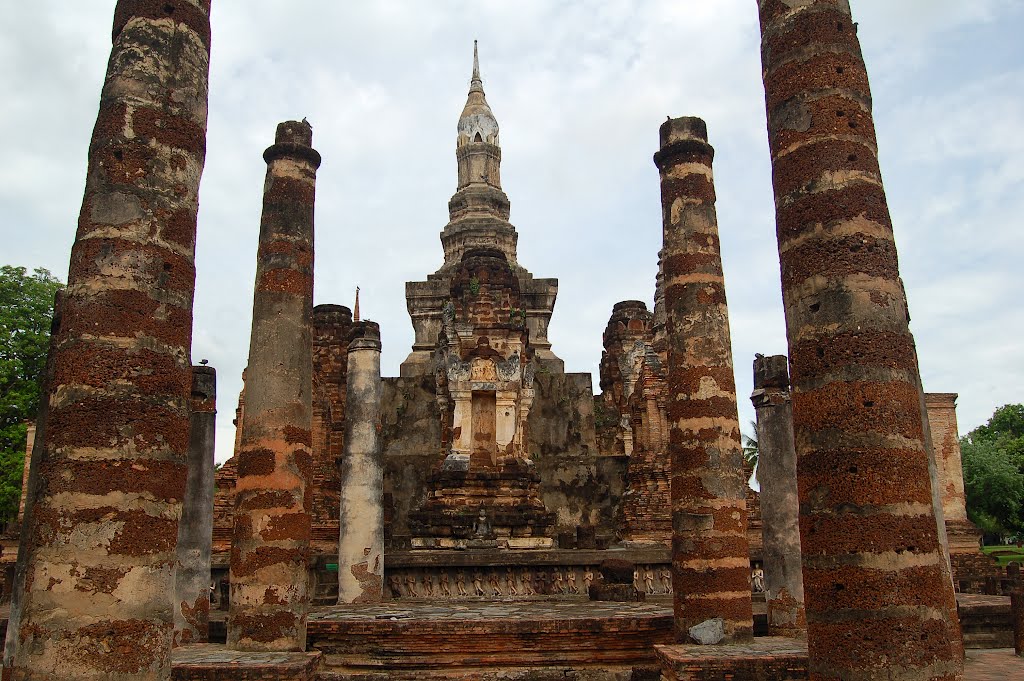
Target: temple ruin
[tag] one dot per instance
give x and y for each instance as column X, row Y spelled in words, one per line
column 484, row 514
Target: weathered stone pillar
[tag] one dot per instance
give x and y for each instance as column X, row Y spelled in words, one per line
column 1017, row 612
column 272, row 525
column 100, row 563
column 964, row 537
column 780, row 507
column 195, row 530
column 30, row 441
column 710, row 554
column 878, row 602
column 361, row 521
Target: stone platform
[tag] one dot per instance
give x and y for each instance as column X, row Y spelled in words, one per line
column 783, row 659
column 985, row 621
column 212, row 662
column 490, row 639
column 762, row 659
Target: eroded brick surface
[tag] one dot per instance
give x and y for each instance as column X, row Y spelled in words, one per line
column 100, row 562
column 764, row 659
column 865, row 494
column 489, row 636
column 632, row 420
column 780, row 507
column 192, row 572
column 273, row 495
column 710, row 551
column 218, row 663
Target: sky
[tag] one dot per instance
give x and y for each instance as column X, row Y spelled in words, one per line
column 579, row 89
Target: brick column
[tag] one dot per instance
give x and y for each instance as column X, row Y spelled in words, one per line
column 332, row 325
column 1017, row 613
column 270, row 544
column 945, row 440
column 710, row 555
column 963, row 536
column 780, row 507
column 195, row 530
column 100, row 563
column 361, row 520
column 30, row 441
column 878, row 603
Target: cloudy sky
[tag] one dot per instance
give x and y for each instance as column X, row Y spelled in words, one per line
column 579, row 89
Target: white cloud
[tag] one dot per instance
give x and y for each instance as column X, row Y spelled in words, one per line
column 579, row 89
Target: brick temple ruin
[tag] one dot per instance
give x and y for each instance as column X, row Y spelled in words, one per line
column 484, row 514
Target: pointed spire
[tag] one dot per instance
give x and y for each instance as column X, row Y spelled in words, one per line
column 476, row 84
column 477, row 119
column 355, row 308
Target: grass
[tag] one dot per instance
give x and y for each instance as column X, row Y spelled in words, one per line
column 1005, row 554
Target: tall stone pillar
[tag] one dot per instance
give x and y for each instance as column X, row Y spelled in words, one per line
column 710, row 554
column 30, row 441
column 361, row 520
column 272, row 525
column 195, row 530
column 1017, row 614
column 964, row 537
column 877, row 601
column 780, row 506
column 100, row 562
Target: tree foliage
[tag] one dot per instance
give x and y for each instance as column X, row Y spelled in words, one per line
column 750, row 446
column 26, row 309
column 993, row 458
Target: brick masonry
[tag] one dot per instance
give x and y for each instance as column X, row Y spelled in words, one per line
column 104, row 525
column 195, row 529
column 489, row 635
column 332, row 325
column 763, row 659
column 780, row 507
column 273, row 491
column 710, row 552
column 206, row 662
column 633, row 420
column 878, row 597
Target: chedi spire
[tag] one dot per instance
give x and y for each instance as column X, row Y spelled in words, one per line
column 476, row 83
column 477, row 122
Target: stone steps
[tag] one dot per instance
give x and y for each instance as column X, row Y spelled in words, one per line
column 462, row 640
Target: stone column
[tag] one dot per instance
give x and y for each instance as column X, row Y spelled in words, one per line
column 195, row 530
column 710, row 554
column 30, row 441
column 361, row 520
column 100, row 563
column 1017, row 613
column 272, row 525
column 780, row 507
column 964, row 537
column 878, row 603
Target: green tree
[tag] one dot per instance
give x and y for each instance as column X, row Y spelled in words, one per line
column 26, row 308
column 750, row 446
column 993, row 458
